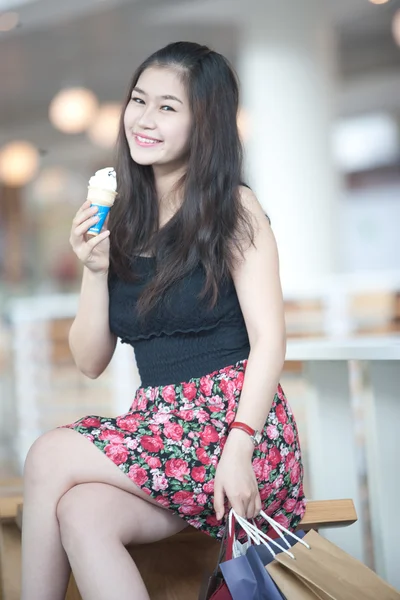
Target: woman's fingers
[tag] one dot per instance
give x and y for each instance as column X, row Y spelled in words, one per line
column 85, row 226
column 94, row 240
column 219, row 501
column 83, row 215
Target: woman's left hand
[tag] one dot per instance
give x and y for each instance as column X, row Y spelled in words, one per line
column 236, row 479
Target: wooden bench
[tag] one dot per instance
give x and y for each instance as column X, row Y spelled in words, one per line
column 173, row 569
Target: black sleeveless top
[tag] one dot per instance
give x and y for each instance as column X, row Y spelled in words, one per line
column 182, row 337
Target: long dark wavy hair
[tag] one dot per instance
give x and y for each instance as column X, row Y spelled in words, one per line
column 211, row 223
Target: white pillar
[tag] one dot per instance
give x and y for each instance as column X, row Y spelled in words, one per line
column 285, row 68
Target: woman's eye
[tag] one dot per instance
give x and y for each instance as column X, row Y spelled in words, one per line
column 167, row 108
column 137, row 100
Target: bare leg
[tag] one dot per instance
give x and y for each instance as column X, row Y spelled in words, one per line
column 57, row 461
column 97, row 521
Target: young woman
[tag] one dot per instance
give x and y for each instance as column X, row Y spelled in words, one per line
column 187, row 273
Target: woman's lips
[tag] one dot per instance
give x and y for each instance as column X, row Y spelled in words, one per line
column 145, row 142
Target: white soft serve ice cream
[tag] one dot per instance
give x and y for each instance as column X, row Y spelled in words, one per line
column 101, row 193
column 104, row 179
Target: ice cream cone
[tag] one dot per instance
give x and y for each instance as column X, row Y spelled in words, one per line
column 102, row 193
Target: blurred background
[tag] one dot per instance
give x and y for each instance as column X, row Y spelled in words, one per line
column 320, row 122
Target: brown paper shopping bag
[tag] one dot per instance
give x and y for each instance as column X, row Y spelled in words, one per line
column 291, row 586
column 328, row 572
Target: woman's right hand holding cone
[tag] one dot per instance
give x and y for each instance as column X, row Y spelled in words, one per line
column 92, row 251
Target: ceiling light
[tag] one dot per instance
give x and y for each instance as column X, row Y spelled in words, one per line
column 19, row 162
column 73, row 110
column 8, row 21
column 396, row 27
column 379, row 1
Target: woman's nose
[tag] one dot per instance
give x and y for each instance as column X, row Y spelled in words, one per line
column 147, row 120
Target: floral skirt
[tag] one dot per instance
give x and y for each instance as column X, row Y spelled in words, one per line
column 170, row 441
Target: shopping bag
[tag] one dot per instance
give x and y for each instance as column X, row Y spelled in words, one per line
column 232, row 559
column 213, row 586
column 328, row 572
column 245, row 575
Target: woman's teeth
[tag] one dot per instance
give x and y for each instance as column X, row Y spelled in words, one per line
column 146, row 140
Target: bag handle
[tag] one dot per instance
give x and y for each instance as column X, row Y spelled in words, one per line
column 258, row 536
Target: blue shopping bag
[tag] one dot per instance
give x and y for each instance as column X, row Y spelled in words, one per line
column 247, row 577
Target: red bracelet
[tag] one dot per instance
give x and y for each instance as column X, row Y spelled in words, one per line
column 253, row 433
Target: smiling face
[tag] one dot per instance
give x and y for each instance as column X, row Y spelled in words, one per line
column 158, row 120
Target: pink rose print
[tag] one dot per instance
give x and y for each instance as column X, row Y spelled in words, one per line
column 216, row 404
column 266, row 491
column 230, row 416
column 141, row 401
column 177, row 467
column 186, row 509
column 206, row 385
column 174, row 431
column 273, row 507
column 186, row 415
column 189, row 391
column 272, row 432
column 300, row 508
column 258, row 465
column 138, row 475
column 214, row 460
column 288, row 434
column 129, row 423
column 227, row 388
column 203, row 416
column 209, row 435
column 198, row 473
column 203, row 456
column 170, row 442
column 163, row 501
column 282, row 494
column 208, row 487
column 280, row 393
column 168, row 393
column 202, row 499
column 115, row 437
column 155, row 428
column 295, row 473
column 274, row 457
column 118, row 454
column 160, row 482
column 91, row 422
column 153, row 462
column 290, row 504
column 266, row 470
column 281, row 414
column 239, row 380
column 162, row 417
column 290, row 461
column 282, row 520
column 152, row 443
column 183, row 497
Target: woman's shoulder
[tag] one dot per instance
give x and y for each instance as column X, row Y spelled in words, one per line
column 251, row 203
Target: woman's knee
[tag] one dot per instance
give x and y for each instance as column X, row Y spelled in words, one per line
column 45, row 459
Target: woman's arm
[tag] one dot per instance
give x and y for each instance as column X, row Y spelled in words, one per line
column 91, row 342
column 257, row 282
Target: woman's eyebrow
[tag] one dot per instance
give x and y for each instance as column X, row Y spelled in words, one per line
column 166, row 97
